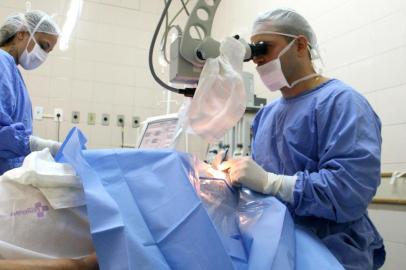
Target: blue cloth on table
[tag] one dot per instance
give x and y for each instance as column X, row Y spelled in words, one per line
column 145, row 214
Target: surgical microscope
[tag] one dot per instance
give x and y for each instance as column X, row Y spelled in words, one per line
column 188, row 53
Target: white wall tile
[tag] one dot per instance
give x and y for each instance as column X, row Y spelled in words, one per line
column 382, row 9
column 140, row 57
column 91, row 11
column 84, row 50
column 124, row 96
column 39, row 86
column 153, row 6
column 83, row 70
column 87, row 30
column 349, row 48
column 125, row 75
column 104, row 73
column 62, row 67
column 82, row 91
column 389, row 32
column 394, row 137
column 393, row 232
column 381, row 71
column 133, row 4
column 103, row 92
column 146, row 21
column 144, row 79
column 67, row 53
column 389, row 104
column 390, row 221
column 358, row 75
column 60, row 88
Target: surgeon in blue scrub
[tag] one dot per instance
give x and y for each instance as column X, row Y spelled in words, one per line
column 25, row 40
column 317, row 148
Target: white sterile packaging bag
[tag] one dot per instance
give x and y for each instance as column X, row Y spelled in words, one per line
column 220, row 99
column 42, row 211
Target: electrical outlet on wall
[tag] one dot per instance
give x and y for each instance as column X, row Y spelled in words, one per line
column 136, row 122
column 105, row 121
column 120, row 120
column 58, row 115
column 75, row 117
column 91, row 118
column 38, row 113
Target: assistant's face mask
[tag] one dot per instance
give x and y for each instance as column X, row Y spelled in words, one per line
column 34, row 58
column 272, row 75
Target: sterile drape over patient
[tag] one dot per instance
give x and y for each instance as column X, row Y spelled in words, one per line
column 152, row 209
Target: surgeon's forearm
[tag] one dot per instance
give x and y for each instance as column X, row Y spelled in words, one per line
column 57, row 264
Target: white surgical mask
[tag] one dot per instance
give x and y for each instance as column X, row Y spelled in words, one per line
column 272, row 75
column 37, row 56
column 33, row 59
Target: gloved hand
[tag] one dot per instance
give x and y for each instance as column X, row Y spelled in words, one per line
column 37, row 144
column 219, row 158
column 247, row 172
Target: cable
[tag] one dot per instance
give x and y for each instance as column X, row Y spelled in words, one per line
column 122, row 136
column 58, row 126
column 184, row 8
column 188, row 92
column 168, row 27
column 151, row 52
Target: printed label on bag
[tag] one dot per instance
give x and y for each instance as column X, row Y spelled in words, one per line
column 39, row 210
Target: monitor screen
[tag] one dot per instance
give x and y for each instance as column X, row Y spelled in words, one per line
column 159, row 133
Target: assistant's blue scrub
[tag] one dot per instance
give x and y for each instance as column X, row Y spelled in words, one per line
column 15, row 115
column 329, row 137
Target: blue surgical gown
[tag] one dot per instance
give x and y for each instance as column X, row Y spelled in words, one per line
column 329, row 137
column 15, row 115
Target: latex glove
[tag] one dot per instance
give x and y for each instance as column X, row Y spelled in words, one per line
column 37, row 144
column 219, row 158
column 247, row 172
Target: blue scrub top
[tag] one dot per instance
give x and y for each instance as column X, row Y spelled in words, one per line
column 329, row 137
column 15, row 115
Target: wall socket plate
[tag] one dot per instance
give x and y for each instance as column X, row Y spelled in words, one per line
column 120, row 120
column 105, row 121
column 91, row 118
column 75, row 117
column 135, row 122
column 58, row 111
column 38, row 113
